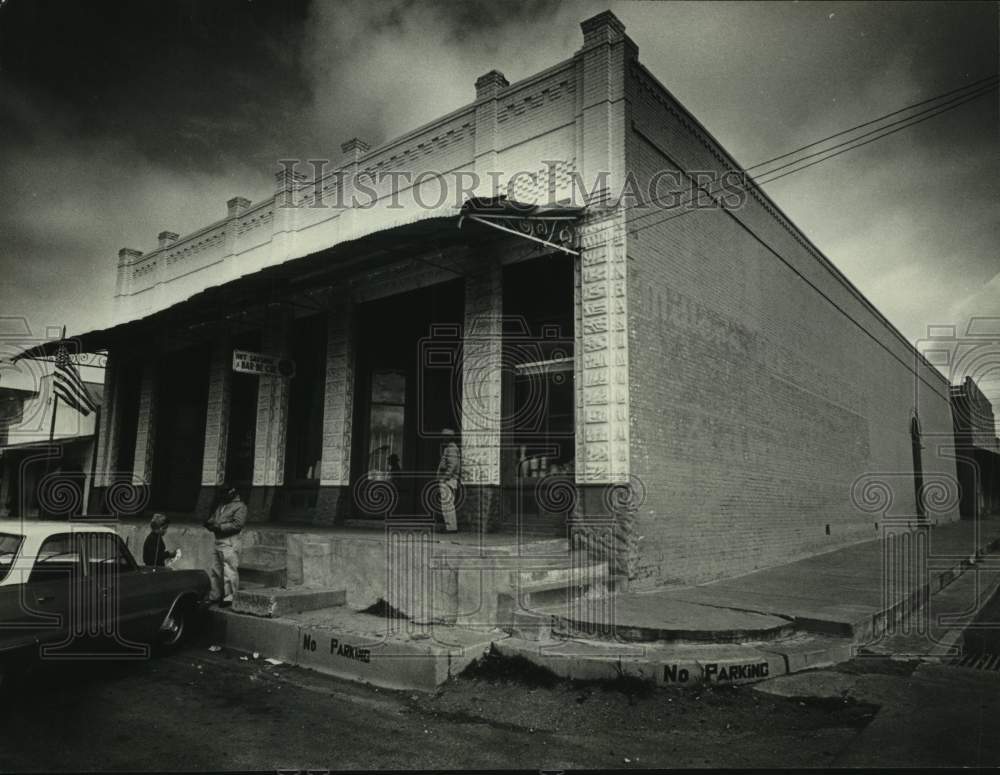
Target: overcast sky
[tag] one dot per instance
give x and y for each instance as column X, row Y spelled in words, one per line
column 119, row 120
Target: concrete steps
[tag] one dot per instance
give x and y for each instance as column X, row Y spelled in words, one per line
column 272, row 601
column 264, row 564
column 567, row 581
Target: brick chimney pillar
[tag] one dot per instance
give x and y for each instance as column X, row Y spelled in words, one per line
column 489, row 87
column 237, row 205
column 353, row 150
column 602, row 69
column 165, row 238
column 123, row 282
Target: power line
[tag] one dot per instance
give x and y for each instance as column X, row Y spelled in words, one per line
column 955, row 102
column 764, row 179
column 657, row 200
column 876, row 120
column 769, row 248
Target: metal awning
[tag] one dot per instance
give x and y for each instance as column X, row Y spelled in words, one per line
column 27, row 446
column 535, row 222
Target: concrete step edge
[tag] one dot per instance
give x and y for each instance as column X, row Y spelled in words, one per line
column 396, row 664
column 687, row 666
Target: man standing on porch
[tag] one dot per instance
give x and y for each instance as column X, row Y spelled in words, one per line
column 226, row 523
column 448, row 472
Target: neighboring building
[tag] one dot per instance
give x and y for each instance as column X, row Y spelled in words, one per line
column 977, row 450
column 12, row 401
column 697, row 396
column 25, row 457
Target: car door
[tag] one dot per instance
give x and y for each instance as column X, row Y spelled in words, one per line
column 49, row 595
column 124, row 602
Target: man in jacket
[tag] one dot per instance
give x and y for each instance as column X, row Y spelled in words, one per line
column 448, row 472
column 226, row 523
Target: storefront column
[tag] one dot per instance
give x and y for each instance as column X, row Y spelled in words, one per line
column 604, row 487
column 145, row 438
column 272, row 420
column 107, row 436
column 338, row 411
column 213, row 467
column 482, row 348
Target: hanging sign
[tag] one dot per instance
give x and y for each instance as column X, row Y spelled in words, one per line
column 246, row 362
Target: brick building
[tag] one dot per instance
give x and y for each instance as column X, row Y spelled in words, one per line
column 695, row 396
column 977, row 450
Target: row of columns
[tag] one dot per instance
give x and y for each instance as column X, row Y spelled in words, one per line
column 601, row 384
column 480, row 411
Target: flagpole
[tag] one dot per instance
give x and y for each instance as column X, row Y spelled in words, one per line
column 52, row 422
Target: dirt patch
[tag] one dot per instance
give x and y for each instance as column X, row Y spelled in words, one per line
column 495, row 667
column 877, row 665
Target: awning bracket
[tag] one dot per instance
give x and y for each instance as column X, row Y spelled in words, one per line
column 542, row 230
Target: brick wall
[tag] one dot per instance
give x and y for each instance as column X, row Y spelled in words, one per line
column 757, row 403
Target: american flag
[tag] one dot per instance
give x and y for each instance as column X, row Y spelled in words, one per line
column 68, row 385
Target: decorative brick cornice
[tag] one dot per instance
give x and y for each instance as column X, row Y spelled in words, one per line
column 237, row 205
column 165, row 238
column 127, row 255
column 354, row 149
column 605, row 27
column 490, row 85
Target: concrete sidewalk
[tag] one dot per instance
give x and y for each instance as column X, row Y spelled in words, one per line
column 814, row 612
column 842, row 593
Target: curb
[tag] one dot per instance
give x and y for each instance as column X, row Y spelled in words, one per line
column 389, row 662
column 689, row 666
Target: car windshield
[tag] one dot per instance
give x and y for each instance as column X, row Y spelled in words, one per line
column 9, row 546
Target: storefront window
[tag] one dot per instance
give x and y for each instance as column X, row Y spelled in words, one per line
column 544, row 429
column 386, row 423
column 539, row 399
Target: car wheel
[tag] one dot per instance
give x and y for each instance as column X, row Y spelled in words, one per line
column 176, row 626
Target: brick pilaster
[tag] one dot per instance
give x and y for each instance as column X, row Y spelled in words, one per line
column 106, row 451
column 338, row 401
column 145, row 437
column 601, row 366
column 489, row 87
column 213, row 467
column 272, row 411
column 481, row 377
column 601, row 73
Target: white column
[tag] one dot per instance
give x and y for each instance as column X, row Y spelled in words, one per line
column 272, row 411
column 107, row 431
column 601, row 369
column 338, row 400
column 481, row 376
column 213, row 467
column 145, row 437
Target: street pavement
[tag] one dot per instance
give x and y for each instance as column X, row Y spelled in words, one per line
column 200, row 710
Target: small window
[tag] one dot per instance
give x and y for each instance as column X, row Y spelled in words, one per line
column 10, row 545
column 58, row 559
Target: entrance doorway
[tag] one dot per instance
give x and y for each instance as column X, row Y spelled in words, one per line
column 182, row 403
column 539, row 395
column 403, row 398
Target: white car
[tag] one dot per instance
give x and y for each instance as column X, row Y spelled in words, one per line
column 66, row 583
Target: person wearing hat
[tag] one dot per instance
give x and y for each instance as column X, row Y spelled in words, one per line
column 226, row 523
column 448, row 472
